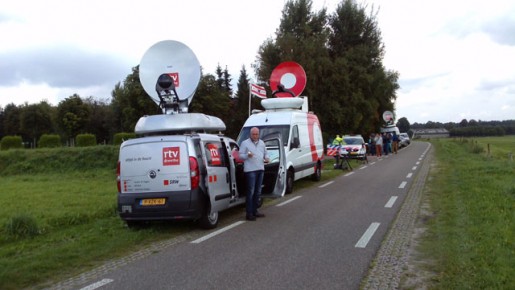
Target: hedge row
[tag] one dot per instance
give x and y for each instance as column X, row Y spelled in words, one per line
column 54, row 140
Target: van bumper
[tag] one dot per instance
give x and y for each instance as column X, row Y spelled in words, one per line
column 177, row 205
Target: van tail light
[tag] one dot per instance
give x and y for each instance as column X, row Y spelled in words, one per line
column 118, row 184
column 194, row 173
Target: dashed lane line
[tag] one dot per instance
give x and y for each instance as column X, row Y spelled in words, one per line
column 215, row 233
column 391, row 202
column 325, row 184
column 98, row 284
column 363, row 241
column 289, row 200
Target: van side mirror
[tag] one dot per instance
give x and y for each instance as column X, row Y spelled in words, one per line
column 295, row 143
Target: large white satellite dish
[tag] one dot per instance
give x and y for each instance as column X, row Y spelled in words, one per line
column 169, row 72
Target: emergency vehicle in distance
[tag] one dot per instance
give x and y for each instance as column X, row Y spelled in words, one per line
column 181, row 167
column 288, row 115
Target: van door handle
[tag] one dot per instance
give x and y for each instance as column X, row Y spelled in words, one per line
column 227, row 177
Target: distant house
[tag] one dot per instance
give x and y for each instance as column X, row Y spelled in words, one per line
column 430, row 133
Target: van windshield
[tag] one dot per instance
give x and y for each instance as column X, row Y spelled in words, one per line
column 284, row 130
column 353, row 140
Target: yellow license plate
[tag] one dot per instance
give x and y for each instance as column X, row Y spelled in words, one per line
column 152, row 201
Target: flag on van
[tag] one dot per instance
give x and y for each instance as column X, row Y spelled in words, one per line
column 258, row 91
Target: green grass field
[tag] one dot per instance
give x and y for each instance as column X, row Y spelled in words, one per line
column 470, row 238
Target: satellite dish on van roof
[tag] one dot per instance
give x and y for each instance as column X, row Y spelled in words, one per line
column 169, row 72
column 388, row 117
column 288, row 78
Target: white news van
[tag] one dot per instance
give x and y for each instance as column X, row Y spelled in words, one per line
column 392, row 129
column 181, row 167
column 300, row 132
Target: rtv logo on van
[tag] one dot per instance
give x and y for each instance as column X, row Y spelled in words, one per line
column 215, row 156
column 171, row 156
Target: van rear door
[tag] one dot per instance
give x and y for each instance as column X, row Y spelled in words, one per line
column 274, row 180
column 154, row 165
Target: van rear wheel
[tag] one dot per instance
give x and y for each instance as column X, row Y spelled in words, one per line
column 318, row 173
column 289, row 181
column 208, row 220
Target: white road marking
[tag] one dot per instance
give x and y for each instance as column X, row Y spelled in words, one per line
column 326, row 184
column 391, row 201
column 409, row 175
column 289, row 200
column 200, row 240
column 418, row 162
column 350, row 173
column 97, row 284
column 372, row 163
column 362, row 243
column 364, row 166
column 403, row 184
column 414, row 168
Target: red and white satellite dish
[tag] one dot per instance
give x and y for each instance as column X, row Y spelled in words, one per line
column 291, row 76
column 388, row 117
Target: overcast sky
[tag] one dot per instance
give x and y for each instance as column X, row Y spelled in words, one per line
column 456, row 59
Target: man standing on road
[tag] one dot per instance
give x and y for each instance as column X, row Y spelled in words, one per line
column 254, row 155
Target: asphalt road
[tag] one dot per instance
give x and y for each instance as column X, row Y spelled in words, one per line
column 323, row 237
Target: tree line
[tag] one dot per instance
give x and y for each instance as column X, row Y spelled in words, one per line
column 465, row 128
column 342, row 52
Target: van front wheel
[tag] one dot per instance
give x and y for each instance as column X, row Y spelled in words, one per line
column 318, row 173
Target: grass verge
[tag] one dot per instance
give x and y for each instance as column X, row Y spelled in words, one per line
column 470, row 237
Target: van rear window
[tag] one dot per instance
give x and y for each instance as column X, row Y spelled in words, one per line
column 214, row 154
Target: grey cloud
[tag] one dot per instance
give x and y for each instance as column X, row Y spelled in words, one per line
column 492, row 85
column 4, row 17
column 501, row 30
column 407, row 84
column 62, row 66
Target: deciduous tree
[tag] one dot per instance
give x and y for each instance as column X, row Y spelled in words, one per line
column 36, row 120
column 72, row 116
